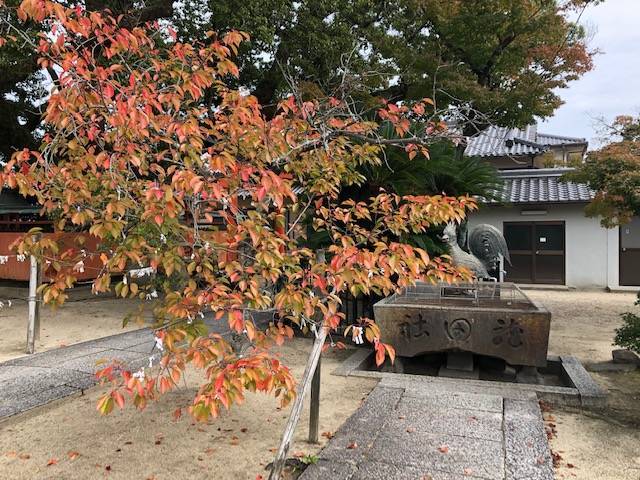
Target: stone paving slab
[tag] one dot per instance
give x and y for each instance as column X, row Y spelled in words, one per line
column 34, row 380
column 424, row 384
column 448, row 453
column 465, row 401
column 527, row 455
column 380, row 470
column 421, row 416
column 95, row 361
column 420, row 430
column 360, row 431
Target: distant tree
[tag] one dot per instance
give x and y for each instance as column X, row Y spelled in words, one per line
column 614, row 173
column 503, row 58
column 498, row 61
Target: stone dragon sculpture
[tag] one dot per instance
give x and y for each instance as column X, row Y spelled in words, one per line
column 482, row 248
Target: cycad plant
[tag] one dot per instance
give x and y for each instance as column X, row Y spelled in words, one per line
column 443, row 172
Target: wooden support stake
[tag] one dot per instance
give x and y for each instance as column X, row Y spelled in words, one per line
column 314, row 412
column 296, row 410
column 33, row 328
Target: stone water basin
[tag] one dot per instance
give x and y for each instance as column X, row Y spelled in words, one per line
column 485, row 318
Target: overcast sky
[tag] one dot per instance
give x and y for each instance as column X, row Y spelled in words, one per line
column 613, row 86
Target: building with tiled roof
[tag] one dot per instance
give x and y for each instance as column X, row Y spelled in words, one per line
column 541, row 214
column 509, row 148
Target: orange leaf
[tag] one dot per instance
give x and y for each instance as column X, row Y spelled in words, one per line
column 72, row 454
column 52, row 461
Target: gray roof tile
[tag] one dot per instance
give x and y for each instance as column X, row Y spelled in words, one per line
column 503, row 141
column 541, row 186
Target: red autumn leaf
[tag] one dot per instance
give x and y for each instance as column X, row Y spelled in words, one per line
column 352, row 445
column 443, row 448
column 52, row 461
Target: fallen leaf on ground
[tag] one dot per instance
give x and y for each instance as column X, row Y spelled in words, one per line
column 443, row 448
column 11, row 454
column 352, row 445
column 244, row 429
column 299, row 454
column 570, row 465
column 24, row 456
column 210, row 451
column 411, row 430
column 328, row 435
column 72, row 454
column 467, row 471
column 52, row 461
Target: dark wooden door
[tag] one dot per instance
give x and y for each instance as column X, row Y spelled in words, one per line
column 630, row 253
column 537, row 251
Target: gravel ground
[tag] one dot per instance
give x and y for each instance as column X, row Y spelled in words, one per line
column 594, row 445
column 74, row 322
column 589, row 445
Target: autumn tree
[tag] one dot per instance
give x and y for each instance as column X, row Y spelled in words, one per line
column 134, row 155
column 613, row 172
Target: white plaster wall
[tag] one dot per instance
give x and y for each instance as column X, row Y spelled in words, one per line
column 588, row 251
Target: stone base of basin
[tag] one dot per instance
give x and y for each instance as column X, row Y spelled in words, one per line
column 576, row 389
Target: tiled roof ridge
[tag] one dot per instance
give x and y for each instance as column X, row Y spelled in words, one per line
column 563, row 137
column 536, row 172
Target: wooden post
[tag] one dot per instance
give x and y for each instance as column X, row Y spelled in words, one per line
column 33, row 328
column 314, row 412
column 313, row 364
column 296, row 410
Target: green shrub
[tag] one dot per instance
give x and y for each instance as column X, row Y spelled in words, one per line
column 628, row 335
